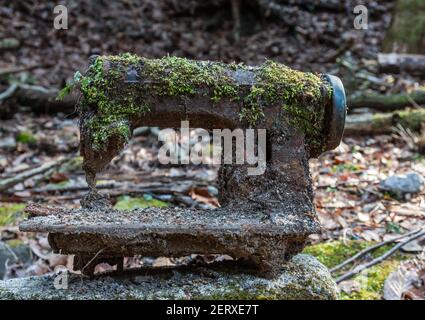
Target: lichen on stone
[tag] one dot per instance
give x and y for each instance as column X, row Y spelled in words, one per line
column 302, row 278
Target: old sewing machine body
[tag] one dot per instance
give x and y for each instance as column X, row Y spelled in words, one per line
column 264, row 219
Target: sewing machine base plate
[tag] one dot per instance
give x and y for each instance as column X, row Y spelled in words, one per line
column 108, row 235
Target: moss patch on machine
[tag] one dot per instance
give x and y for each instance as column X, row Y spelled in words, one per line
column 116, row 99
column 300, row 94
column 117, row 90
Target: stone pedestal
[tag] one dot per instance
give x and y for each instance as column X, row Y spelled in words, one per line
column 302, row 278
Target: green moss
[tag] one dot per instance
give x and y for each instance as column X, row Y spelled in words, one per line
column 26, row 137
column 10, row 212
column 116, row 104
column 345, row 167
column 335, row 252
column 373, row 283
column 113, row 108
column 411, row 119
column 129, row 203
column 69, row 87
column 381, row 120
column 102, row 128
column 300, row 95
column 176, row 77
column 72, row 165
column 14, row 243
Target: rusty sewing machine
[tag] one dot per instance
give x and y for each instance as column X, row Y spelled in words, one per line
column 264, row 219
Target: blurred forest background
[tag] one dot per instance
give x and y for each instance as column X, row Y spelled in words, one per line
column 369, row 190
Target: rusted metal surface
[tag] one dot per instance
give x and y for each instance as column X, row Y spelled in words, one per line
column 264, row 219
column 265, row 240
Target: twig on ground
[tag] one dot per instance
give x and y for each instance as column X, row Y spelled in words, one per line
column 9, row 91
column 10, row 182
column 93, row 259
column 383, row 102
column 372, row 248
column 15, row 69
column 381, row 258
column 10, row 250
column 74, row 188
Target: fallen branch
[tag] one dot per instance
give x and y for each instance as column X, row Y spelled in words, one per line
column 74, row 188
column 285, row 12
column 10, row 250
column 10, row 182
column 40, row 99
column 396, row 63
column 386, row 102
column 372, row 248
column 384, row 123
column 43, row 100
column 381, row 258
column 279, row 9
column 125, row 188
column 12, row 70
column 9, row 91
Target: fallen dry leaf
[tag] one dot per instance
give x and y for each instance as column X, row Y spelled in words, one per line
column 204, row 197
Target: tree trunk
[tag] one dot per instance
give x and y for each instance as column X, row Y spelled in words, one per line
column 407, row 31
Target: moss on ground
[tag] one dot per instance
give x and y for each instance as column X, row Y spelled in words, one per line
column 10, row 213
column 14, row 243
column 129, row 203
column 72, row 165
column 412, row 119
column 118, row 88
column 26, row 137
column 335, row 252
